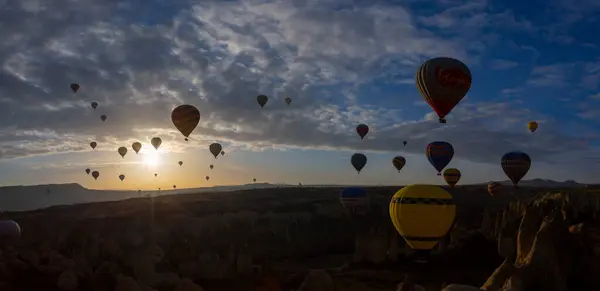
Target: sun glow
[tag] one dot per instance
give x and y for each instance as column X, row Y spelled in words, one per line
column 151, row 158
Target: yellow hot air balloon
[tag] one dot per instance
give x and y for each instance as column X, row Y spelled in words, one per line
column 422, row 215
column 532, row 125
column 451, row 176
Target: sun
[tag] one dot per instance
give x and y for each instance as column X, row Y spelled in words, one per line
column 151, row 158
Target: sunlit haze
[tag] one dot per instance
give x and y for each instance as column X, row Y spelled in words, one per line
column 341, row 65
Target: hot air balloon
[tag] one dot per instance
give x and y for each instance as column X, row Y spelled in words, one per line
column 452, row 176
column 93, row 145
column 494, row 188
column 211, row 166
column 355, row 200
column 74, row 87
column 404, row 143
column 95, row 174
column 443, row 82
column 121, row 177
column 122, row 151
column 156, row 142
column 254, row 179
column 358, row 161
column 532, row 126
column 174, row 186
column 87, row 171
column 9, row 229
column 207, row 178
column 398, row 163
column 222, row 153
column 180, row 163
column 103, row 117
column 94, row 105
column 362, row 130
column 215, row 149
column 262, row 100
column 439, row 154
column 155, row 174
column 515, row 165
column 136, row 146
column 288, row 100
column 422, row 215
column 185, row 118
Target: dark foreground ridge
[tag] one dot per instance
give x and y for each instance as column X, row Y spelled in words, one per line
column 301, row 239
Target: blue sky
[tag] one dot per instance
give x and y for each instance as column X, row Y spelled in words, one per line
column 342, row 62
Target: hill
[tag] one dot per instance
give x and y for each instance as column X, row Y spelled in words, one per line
column 20, row 198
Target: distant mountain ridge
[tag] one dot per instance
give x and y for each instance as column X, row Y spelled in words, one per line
column 18, row 198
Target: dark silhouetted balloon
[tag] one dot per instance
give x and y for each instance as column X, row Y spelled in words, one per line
column 94, row 105
column 156, row 142
column 87, row 171
column 93, row 145
column 103, row 117
column 262, row 100
column 399, row 163
column 95, row 174
column 136, row 146
column 515, row 165
column 121, row 177
column 122, row 151
column 215, row 149
column 185, row 118
column 362, row 130
column 358, row 161
column 74, row 87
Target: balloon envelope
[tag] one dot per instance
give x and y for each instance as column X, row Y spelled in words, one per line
column 121, row 177
column 439, row 154
column 399, row 163
column 9, row 228
column 156, row 142
column 452, row 176
column 422, row 214
column 532, row 126
column 362, row 130
column 358, row 161
column 122, row 151
column 185, row 118
column 262, row 100
column 74, row 87
column 443, row 82
column 515, row 165
column 136, row 146
column 215, row 149
column 93, row 145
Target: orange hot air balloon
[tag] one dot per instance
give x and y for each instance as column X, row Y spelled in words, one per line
column 532, row 126
column 443, row 82
column 74, row 87
column 95, row 174
column 156, row 142
column 93, row 145
column 136, row 146
column 122, row 151
column 185, row 118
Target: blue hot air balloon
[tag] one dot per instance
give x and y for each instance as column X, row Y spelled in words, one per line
column 439, row 154
column 354, row 199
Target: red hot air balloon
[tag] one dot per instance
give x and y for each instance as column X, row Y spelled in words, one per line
column 443, row 82
column 362, row 130
column 185, row 118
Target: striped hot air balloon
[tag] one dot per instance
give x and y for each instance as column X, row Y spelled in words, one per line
column 185, row 118
column 422, row 215
column 515, row 165
column 452, row 176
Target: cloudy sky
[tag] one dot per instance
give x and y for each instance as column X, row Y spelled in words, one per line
column 343, row 63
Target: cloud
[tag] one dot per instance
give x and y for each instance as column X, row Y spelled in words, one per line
column 218, row 55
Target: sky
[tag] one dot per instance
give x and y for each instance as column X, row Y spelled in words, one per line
column 342, row 62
